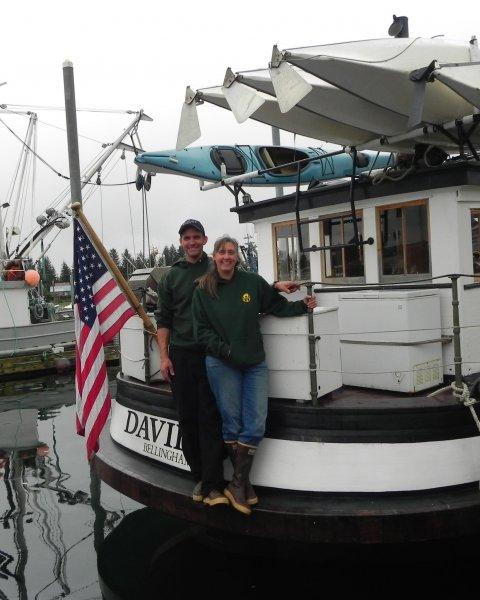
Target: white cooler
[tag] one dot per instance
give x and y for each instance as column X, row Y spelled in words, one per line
column 391, row 340
column 132, row 351
column 287, row 354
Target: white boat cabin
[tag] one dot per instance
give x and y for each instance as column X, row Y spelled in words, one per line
column 426, row 226
column 384, row 318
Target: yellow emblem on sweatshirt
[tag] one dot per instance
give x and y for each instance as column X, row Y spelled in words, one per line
column 246, row 297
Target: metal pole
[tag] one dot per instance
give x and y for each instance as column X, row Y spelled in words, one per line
column 311, row 351
column 25, row 151
column 3, row 253
column 72, row 133
column 457, row 359
column 276, row 142
column 353, row 154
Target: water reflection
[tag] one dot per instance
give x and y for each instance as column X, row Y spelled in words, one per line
column 51, row 512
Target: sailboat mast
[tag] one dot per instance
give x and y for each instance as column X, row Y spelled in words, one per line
column 23, row 164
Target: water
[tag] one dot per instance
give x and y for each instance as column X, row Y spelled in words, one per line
column 64, row 534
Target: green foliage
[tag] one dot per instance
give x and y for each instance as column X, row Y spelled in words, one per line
column 48, row 276
column 127, row 264
column 114, row 256
column 65, row 273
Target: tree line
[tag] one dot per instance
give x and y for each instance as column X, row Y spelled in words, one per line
column 125, row 261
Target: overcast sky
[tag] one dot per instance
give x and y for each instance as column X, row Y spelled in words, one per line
column 131, row 55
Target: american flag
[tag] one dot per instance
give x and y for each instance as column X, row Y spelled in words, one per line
column 101, row 309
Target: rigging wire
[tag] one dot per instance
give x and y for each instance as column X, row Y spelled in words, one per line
column 129, row 204
column 101, row 211
column 31, row 150
column 34, row 180
column 62, row 108
column 11, row 189
column 24, row 193
column 49, row 166
column 86, row 137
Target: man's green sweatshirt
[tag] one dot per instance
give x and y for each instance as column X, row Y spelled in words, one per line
column 228, row 326
column 175, row 292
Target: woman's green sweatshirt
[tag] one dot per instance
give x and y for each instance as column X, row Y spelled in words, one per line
column 228, row 326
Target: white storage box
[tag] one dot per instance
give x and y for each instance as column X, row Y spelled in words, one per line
column 133, row 354
column 287, row 354
column 391, row 340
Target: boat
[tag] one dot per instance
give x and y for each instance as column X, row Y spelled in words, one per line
column 213, row 163
column 373, row 426
column 35, row 337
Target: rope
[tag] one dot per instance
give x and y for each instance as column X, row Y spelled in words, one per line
column 462, row 394
column 386, row 175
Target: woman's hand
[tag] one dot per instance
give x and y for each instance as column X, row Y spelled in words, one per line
column 310, row 301
column 286, row 286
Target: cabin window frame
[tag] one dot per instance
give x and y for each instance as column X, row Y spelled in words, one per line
column 475, row 211
column 292, row 223
column 402, row 276
column 323, row 261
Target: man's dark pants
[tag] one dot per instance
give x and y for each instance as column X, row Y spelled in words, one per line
column 200, row 422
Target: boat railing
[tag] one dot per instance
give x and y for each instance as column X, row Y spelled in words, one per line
column 460, row 388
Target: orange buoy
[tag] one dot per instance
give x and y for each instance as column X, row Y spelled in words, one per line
column 32, row 277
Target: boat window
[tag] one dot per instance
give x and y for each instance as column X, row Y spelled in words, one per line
column 475, row 220
column 404, row 238
column 231, row 158
column 273, row 156
column 342, row 263
column 290, row 264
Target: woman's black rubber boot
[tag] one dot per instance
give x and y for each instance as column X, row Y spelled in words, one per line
column 236, row 489
column 252, row 498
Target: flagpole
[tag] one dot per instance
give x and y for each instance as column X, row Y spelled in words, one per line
column 122, row 282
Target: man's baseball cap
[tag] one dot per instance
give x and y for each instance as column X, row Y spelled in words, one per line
column 191, row 223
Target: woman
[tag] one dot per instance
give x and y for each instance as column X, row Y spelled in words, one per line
column 227, row 305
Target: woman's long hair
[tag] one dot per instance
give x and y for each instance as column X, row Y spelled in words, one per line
column 209, row 281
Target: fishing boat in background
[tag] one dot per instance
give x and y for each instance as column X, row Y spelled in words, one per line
column 373, row 426
column 34, row 335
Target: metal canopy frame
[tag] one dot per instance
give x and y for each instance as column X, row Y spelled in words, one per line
column 306, row 221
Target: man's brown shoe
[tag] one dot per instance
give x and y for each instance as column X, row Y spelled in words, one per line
column 197, row 494
column 214, row 498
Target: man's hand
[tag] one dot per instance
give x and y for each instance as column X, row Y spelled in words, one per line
column 310, row 301
column 166, row 368
column 286, row 286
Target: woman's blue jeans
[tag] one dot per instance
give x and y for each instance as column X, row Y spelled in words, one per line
column 242, row 399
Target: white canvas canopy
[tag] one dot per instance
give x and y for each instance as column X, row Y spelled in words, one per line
column 384, row 94
column 379, row 71
column 298, row 120
column 462, row 79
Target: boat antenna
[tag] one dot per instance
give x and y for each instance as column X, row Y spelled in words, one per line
column 399, row 27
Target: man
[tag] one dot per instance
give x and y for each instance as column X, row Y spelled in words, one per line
column 183, row 365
